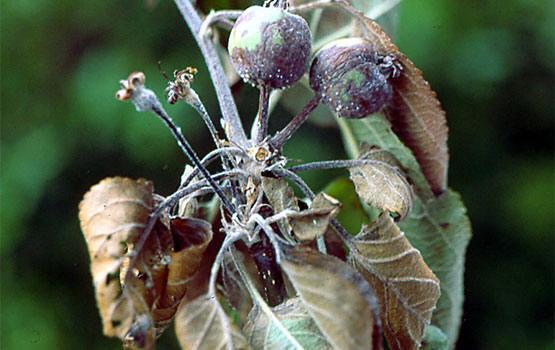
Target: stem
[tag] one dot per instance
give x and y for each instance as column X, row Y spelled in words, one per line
column 233, row 126
column 260, row 127
column 188, row 150
column 219, row 17
column 331, row 164
column 228, row 242
column 285, row 134
column 199, row 107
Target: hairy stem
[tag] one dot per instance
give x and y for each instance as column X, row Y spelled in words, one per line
column 260, row 127
column 219, row 17
column 331, row 164
column 188, row 150
column 199, row 107
column 285, row 134
column 233, row 126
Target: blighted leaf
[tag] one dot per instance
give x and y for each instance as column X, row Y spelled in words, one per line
column 281, row 197
column 263, row 334
column 313, row 222
column 376, row 132
column 407, row 288
column 337, row 297
column 203, row 324
column 113, row 214
column 190, row 239
column 437, row 227
column 440, row 229
column 381, row 185
column 415, row 112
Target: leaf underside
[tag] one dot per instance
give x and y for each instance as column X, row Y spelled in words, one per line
column 337, row 297
column 407, row 288
column 380, row 184
column 202, row 324
column 264, row 335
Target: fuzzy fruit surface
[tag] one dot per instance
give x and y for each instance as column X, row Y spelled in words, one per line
column 270, row 46
column 346, row 75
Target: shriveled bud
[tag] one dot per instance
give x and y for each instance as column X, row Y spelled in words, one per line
column 270, row 46
column 352, row 78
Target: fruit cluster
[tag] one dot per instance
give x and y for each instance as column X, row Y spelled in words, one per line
column 271, row 47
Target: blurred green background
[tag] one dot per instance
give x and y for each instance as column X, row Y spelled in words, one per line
column 491, row 62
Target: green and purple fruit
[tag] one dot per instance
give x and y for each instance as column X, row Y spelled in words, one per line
column 350, row 78
column 270, row 46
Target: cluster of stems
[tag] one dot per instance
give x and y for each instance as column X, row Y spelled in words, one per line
column 241, row 215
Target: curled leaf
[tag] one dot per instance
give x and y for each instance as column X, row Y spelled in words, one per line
column 415, row 112
column 113, row 214
column 337, row 297
column 264, row 335
column 408, row 290
column 190, row 239
column 203, row 324
column 380, row 184
column 313, row 222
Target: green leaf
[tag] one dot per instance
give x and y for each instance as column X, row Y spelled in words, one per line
column 440, row 229
column 437, row 226
column 263, row 334
column 434, row 339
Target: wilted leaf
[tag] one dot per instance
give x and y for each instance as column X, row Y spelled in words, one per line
column 280, row 196
column 376, row 132
column 203, row 324
column 415, row 112
column 440, row 229
column 113, row 214
column 381, row 184
column 313, row 222
column 190, row 239
column 264, row 335
column 437, row 227
column 337, row 297
column 408, row 290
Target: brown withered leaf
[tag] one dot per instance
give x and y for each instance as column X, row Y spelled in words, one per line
column 263, row 334
column 280, row 196
column 415, row 112
column 380, row 183
column 113, row 214
column 202, row 324
column 313, row 222
column 408, row 290
column 337, row 297
column 190, row 239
